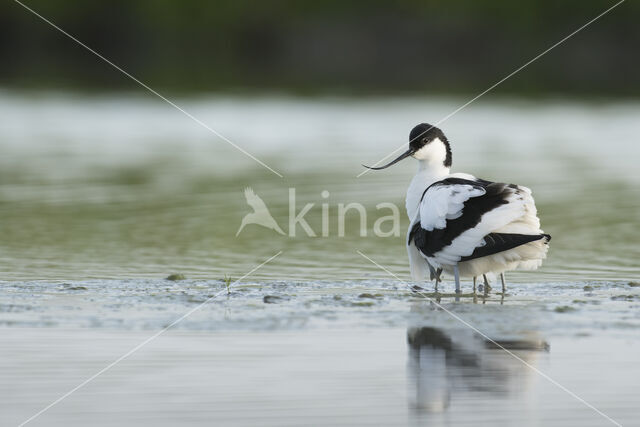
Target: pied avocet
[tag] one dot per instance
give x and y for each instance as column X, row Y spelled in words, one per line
column 464, row 225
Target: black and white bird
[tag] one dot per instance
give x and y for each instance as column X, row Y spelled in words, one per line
column 464, row 225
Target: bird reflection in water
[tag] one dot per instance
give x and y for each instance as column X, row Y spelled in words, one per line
column 443, row 365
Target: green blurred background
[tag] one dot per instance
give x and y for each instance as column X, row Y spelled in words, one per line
column 344, row 47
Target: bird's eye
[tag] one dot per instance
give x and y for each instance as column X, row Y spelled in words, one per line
column 424, row 140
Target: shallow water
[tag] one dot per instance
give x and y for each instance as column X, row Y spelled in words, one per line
column 102, row 198
column 362, row 352
column 127, row 187
column 323, row 377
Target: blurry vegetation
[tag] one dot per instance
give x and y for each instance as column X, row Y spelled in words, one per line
column 421, row 46
column 564, row 309
column 228, row 282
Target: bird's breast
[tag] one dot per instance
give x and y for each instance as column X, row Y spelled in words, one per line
column 420, row 182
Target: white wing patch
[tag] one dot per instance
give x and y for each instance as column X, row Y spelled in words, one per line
column 529, row 223
column 443, row 202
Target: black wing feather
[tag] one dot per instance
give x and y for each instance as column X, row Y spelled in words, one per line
column 500, row 242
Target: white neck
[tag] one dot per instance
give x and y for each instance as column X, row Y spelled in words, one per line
column 433, row 167
column 428, row 172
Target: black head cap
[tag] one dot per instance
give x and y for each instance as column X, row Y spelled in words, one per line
column 423, row 134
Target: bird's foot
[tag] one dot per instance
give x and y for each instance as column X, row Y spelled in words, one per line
column 481, row 288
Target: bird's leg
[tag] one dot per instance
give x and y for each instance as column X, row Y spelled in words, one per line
column 486, row 284
column 474, row 284
column 436, row 274
column 456, row 274
column 504, row 286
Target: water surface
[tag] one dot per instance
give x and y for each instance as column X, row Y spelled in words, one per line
column 101, row 198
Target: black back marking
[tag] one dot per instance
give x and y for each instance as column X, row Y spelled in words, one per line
column 496, row 194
